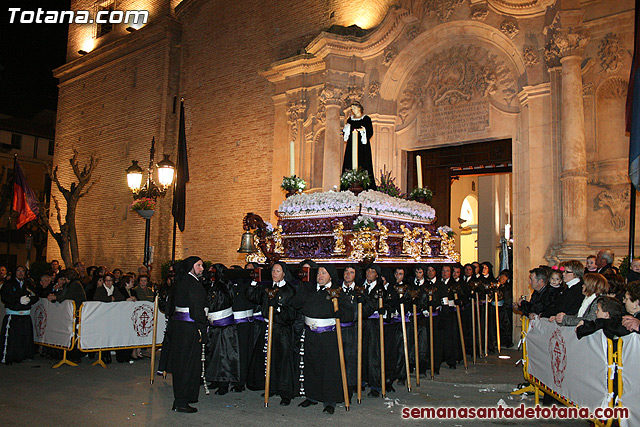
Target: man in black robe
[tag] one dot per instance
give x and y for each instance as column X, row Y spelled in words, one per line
column 277, row 294
column 188, row 332
column 323, row 381
column 350, row 329
column 18, row 294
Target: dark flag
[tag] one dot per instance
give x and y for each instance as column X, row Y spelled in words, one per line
column 24, row 200
column 633, row 109
column 182, row 175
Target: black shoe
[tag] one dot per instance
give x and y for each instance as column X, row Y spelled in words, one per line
column 390, row 388
column 238, row 388
column 329, row 410
column 452, row 366
column 222, row 391
column 374, row 393
column 285, row 401
column 187, row 409
column 306, row 403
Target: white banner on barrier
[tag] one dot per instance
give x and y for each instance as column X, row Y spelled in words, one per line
column 53, row 322
column 631, row 379
column 118, row 324
column 574, row 369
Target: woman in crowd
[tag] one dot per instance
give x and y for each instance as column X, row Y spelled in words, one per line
column 571, row 297
column 144, row 292
column 632, row 305
column 106, row 291
column 594, row 284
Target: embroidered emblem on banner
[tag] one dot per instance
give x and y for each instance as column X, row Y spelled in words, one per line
column 142, row 319
column 41, row 320
column 558, row 353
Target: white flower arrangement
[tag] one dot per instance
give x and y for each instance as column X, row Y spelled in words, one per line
column 447, row 230
column 364, row 221
column 373, row 202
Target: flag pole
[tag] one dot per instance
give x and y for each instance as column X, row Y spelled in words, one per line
column 13, row 196
column 632, row 223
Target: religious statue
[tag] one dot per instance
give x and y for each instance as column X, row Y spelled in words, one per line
column 358, row 130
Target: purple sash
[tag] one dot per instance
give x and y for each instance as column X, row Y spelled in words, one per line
column 223, row 322
column 321, row 329
column 347, row 324
column 259, row 318
column 244, row 320
column 180, row 315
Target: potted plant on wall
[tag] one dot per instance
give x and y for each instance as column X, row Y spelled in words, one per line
column 355, row 180
column 293, row 185
column 144, row 206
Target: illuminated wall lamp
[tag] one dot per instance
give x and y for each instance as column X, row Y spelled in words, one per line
column 82, row 52
column 131, row 29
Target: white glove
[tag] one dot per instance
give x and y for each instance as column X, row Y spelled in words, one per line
column 24, row 300
column 363, row 136
column 346, row 130
column 254, row 283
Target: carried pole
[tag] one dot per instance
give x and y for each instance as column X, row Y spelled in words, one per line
column 343, row 370
column 415, row 343
column 486, row 324
column 431, row 332
column 383, row 378
column 495, row 300
column 155, row 334
column 479, row 314
column 632, row 223
column 464, row 350
column 473, row 327
column 401, row 291
column 359, row 386
column 267, row 380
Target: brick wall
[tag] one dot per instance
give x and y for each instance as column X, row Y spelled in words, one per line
column 123, row 96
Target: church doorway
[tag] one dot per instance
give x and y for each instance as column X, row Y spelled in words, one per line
column 472, row 193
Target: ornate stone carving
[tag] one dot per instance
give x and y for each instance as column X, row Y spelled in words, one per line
column 530, row 56
column 331, row 95
column 587, row 89
column 295, row 113
column 442, row 9
column 426, row 249
column 388, row 55
column 338, row 236
column 374, row 89
column 479, row 14
column 459, row 74
column 354, row 93
column 565, row 42
column 412, row 33
column 610, row 53
column 618, row 203
column 615, row 87
column 383, row 246
column 309, row 138
column 509, row 28
column 521, row 7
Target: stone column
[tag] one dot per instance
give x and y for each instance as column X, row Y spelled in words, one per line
column 574, row 154
column 567, row 44
column 333, row 143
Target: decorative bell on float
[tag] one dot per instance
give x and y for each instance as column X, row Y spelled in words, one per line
column 246, row 245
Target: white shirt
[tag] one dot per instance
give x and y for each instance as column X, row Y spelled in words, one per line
column 586, row 302
column 573, row 281
column 279, row 284
column 370, row 286
column 346, row 287
column 327, row 286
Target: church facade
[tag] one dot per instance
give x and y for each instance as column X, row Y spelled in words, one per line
column 551, row 76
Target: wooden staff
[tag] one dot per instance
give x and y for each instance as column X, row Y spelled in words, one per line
column 153, row 344
column 401, row 291
column 414, row 295
column 333, row 293
column 479, row 323
column 271, row 293
column 383, row 377
column 431, row 291
column 495, row 300
column 464, row 350
column 473, row 327
column 359, row 352
column 486, row 324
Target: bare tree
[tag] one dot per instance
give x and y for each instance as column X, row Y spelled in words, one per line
column 67, row 237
